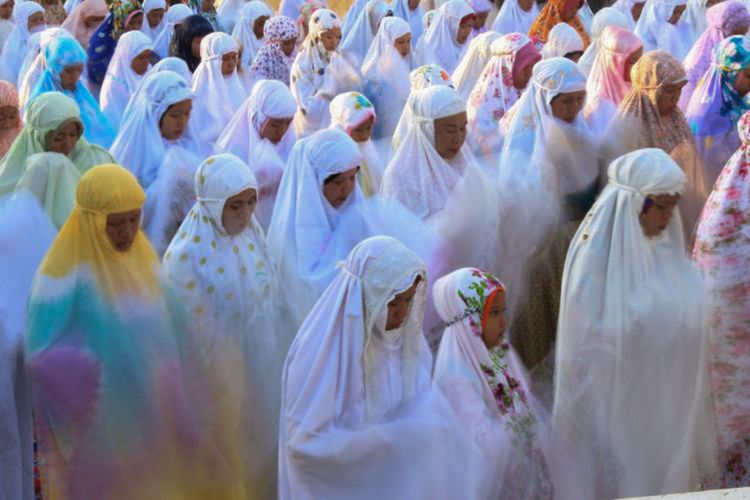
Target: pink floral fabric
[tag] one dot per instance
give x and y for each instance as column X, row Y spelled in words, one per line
column 721, row 252
column 270, row 62
column 494, row 93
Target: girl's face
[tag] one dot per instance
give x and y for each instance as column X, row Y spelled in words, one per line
column 464, row 29
column 70, row 75
column 135, row 22
column 195, row 46
column 122, row 228
column 8, row 118
column 337, row 188
column 450, row 134
column 154, row 17
column 331, row 38
column 742, row 82
column 634, row 57
column 667, row 100
column 657, row 212
column 400, row 307
column 526, row 5
column 287, row 46
column 6, row 9
column 637, row 9
column 275, row 128
column 258, row 26
column 493, row 327
column 567, row 105
column 36, row 19
column 479, row 19
column 229, row 63
column 363, row 131
column 570, row 10
column 64, row 139
column 235, row 217
column 175, row 120
column 140, row 62
column 521, row 80
column 403, row 44
column 208, row 5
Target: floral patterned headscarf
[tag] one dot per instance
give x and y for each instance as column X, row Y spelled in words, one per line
column 550, row 16
column 494, row 92
column 54, row 13
column 649, row 76
column 271, row 63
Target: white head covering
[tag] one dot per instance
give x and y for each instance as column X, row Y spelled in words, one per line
column 657, row 32
column 242, row 137
column 626, row 7
column 417, row 176
column 608, row 16
column 243, row 30
column 34, row 64
column 217, row 97
column 16, row 46
column 303, row 220
column 335, row 435
column 467, row 73
column 630, row 302
column 562, row 39
column 695, row 16
column 148, row 6
column 439, row 45
column 413, row 17
column 357, row 41
column 139, row 145
column 349, row 111
column 175, row 64
column 121, row 81
column 174, row 15
column 230, row 10
column 513, row 19
column 386, row 74
column 421, row 78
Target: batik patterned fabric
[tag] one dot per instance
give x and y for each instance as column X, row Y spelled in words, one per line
column 550, row 16
column 721, row 253
column 104, row 40
column 271, row 63
column 716, row 106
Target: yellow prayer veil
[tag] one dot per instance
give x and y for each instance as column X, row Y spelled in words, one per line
column 83, row 242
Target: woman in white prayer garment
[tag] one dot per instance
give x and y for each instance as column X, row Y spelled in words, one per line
column 260, row 134
column 357, row 41
column 358, row 416
column 321, row 214
column 663, row 26
column 473, row 63
column 631, row 377
column 448, row 37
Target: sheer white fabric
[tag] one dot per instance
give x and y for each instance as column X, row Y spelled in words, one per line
column 470, row 68
column 17, row 44
column 657, row 32
column 386, row 75
column 121, row 81
column 174, row 15
column 632, row 327
column 608, row 16
column 174, row 64
column 217, row 96
column 165, row 168
column 229, row 12
column 342, row 427
column 357, row 41
column 562, row 39
column 626, row 7
column 243, row 31
column 146, row 29
column 242, row 137
column 513, row 19
column 25, row 236
column 348, row 111
column 695, row 17
column 439, row 44
column 231, row 287
column 318, row 75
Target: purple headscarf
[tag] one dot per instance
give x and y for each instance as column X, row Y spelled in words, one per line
column 723, row 19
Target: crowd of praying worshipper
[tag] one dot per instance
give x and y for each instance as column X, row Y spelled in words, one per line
column 417, row 249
